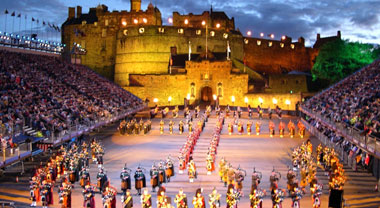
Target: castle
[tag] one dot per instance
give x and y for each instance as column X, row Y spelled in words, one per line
column 195, row 57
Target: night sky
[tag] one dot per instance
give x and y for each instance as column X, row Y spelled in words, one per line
column 357, row 19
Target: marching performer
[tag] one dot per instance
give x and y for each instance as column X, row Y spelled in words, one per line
column 140, row 181
column 249, row 126
column 65, row 194
column 240, row 128
column 171, row 123
column 281, row 128
column 146, row 199
column 230, row 128
column 125, row 177
column 239, row 178
column 260, row 112
column 271, row 128
column 109, row 198
column 291, row 128
column 175, row 112
column 182, row 164
column 162, row 127
column 181, row 199
column 258, row 125
column 34, row 191
column 256, row 198
column 296, row 195
column 199, row 200
column 154, row 178
column 277, row 198
column 214, row 199
column 210, row 166
column 190, row 124
column 180, row 127
column 84, row 177
column 102, row 179
column 222, row 166
column 89, row 197
column 162, row 199
column 161, row 173
column 232, row 197
column 301, row 129
column 316, row 192
column 192, row 172
column 249, row 111
column 169, row 171
column 127, row 199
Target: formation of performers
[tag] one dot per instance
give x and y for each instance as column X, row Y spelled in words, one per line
column 214, row 143
column 134, row 127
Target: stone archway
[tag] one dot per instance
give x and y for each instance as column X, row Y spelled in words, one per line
column 206, row 94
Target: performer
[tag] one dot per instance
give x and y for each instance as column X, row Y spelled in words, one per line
column 109, row 198
column 256, row 179
column 140, row 181
column 84, row 177
column 162, row 199
column 249, row 126
column 199, row 200
column 182, row 164
column 102, row 179
column 190, row 127
column 291, row 128
column 316, row 192
column 154, row 175
column 270, row 113
column 34, row 191
column 260, row 112
column 180, row 127
column 256, row 198
column 271, row 128
column 232, row 197
column 125, row 177
column 162, row 127
column 249, row 111
column 258, row 125
column 192, row 172
column 230, row 128
column 137, row 128
column 239, row 111
column 217, row 110
column 89, row 197
column 277, row 198
column 146, row 199
column 45, row 196
column 127, row 199
column 228, row 110
column 65, row 194
column 240, row 128
column 169, row 171
column 161, row 173
column 296, row 195
column 214, row 199
column 301, row 129
column 171, row 123
column 210, row 166
column 181, row 199
column 281, row 128
column 222, row 166
column 175, row 112
column 239, row 178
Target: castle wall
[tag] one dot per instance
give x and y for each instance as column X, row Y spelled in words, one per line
column 287, row 83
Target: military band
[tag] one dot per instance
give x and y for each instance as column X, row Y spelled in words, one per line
column 146, row 199
column 181, row 199
column 198, row 199
column 214, row 199
column 127, row 199
column 125, row 177
column 140, row 181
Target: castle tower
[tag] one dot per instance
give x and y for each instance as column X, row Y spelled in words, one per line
column 135, row 5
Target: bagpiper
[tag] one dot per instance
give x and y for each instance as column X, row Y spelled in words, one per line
column 175, row 112
column 34, row 191
column 127, row 199
column 210, row 164
column 239, row 178
column 277, row 198
column 171, row 123
column 46, row 194
column 214, row 199
column 249, row 126
column 140, row 181
column 192, row 172
column 301, row 129
column 65, row 194
column 180, row 127
column 291, row 128
column 169, row 170
column 89, row 197
column 109, row 198
column 271, row 128
column 230, row 128
column 198, row 199
column 102, row 179
column 258, row 125
column 84, row 177
column 161, row 173
column 146, row 199
column 281, row 128
column 232, row 197
column 260, row 112
column 222, row 166
column 256, row 198
column 227, row 110
column 249, row 111
column 162, row 127
column 162, row 199
column 154, row 175
column 190, row 124
column 240, row 128
column 270, row 113
column 125, row 177
column 181, row 199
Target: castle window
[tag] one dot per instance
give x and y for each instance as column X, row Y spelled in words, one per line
column 141, row 30
column 270, row 44
column 123, row 22
column 192, row 89
column 297, row 82
column 95, row 24
column 259, row 42
column 199, row 48
column 282, row 45
column 180, row 31
column 292, row 46
column 106, row 22
column 220, row 89
column 246, row 41
column 225, row 35
column 212, row 33
column 104, row 33
column 161, row 30
column 198, row 32
column 125, row 32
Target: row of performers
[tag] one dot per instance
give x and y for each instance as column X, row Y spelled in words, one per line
column 181, row 126
column 164, row 112
column 70, row 163
column 132, row 126
column 281, row 128
column 214, row 143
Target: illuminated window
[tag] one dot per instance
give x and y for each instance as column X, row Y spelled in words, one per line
column 124, row 22
column 135, row 21
column 106, row 22
column 270, row 44
column 161, row 30
column 217, row 25
column 220, row 89
column 186, row 21
column 125, row 32
column 225, row 35
column 198, row 32
column 145, row 20
column 246, row 41
column 259, row 42
column 180, row 31
column 192, row 89
column 141, row 30
column 292, row 46
column 95, row 24
column 282, row 45
column 212, row 33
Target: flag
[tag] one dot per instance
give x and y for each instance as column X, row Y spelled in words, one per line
column 49, row 24
column 33, row 19
column 228, row 50
column 189, row 50
column 13, row 14
column 59, row 30
column 6, row 12
column 19, row 15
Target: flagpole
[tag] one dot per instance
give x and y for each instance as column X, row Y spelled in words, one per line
column 19, row 25
column 13, row 24
column 6, row 15
column 206, row 38
column 189, row 50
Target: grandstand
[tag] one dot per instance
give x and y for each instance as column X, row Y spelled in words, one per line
column 46, row 101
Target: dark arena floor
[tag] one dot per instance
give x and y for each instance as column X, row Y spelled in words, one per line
column 247, row 151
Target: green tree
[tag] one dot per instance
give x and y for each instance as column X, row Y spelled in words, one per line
column 340, row 58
